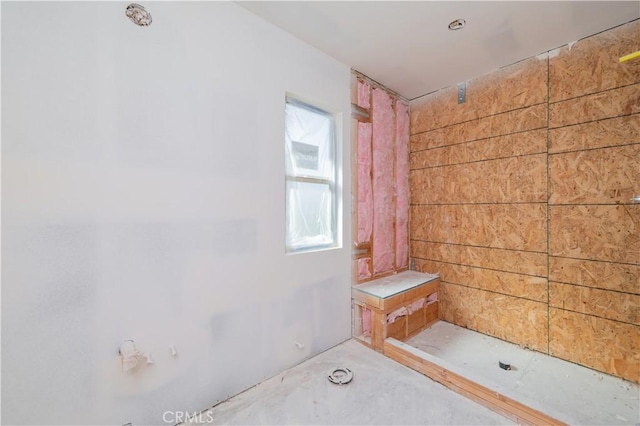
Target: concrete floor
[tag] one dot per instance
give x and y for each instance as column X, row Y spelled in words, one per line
column 385, row 392
column 382, row 392
column 560, row 389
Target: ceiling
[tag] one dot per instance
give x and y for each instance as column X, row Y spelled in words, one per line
column 407, row 46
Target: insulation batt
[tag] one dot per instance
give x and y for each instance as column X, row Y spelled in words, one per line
column 383, row 188
column 402, row 184
column 365, row 191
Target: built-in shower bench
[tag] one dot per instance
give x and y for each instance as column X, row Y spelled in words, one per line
column 398, row 306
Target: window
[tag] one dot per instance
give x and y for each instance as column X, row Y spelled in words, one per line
column 310, row 148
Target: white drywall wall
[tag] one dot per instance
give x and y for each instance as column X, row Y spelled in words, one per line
column 143, row 198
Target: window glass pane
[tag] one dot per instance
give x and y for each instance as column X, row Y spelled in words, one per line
column 309, row 215
column 308, row 142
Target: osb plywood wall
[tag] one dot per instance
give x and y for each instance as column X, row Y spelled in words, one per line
column 381, row 184
column 521, row 199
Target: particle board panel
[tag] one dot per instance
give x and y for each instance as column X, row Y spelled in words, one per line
column 599, row 176
column 517, row 285
column 597, row 134
column 504, row 260
column 609, row 233
column 515, row 86
column 383, row 153
column 604, row 345
column 516, row 320
column 506, row 180
column 523, row 143
column 589, row 273
column 506, row 226
column 592, row 301
column 612, row 103
column 517, row 121
column 572, row 70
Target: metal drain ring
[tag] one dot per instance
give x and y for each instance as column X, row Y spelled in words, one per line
column 340, row 376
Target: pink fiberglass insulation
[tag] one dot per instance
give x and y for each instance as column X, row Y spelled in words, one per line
column 433, row 297
column 418, row 304
column 364, row 271
column 402, row 184
column 366, row 322
column 393, row 316
column 384, row 132
column 365, row 192
column 364, row 94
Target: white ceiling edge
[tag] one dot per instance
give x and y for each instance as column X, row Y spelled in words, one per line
column 407, row 46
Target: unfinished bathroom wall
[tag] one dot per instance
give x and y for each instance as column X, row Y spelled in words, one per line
column 381, row 132
column 478, row 192
column 594, row 228
column 521, row 199
column 143, row 198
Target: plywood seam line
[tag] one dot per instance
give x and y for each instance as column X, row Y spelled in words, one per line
column 503, row 135
column 595, row 148
column 635, row 324
column 478, row 161
column 597, row 92
column 473, row 140
column 495, row 292
column 485, row 117
column 596, row 120
column 621, row 204
column 472, row 245
column 466, row 265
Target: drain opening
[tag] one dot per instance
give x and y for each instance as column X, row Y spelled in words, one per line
column 340, row 376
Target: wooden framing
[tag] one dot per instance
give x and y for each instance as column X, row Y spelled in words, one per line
column 405, row 326
column 433, row 368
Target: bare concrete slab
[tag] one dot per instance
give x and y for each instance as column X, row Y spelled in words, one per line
column 568, row 392
column 382, row 392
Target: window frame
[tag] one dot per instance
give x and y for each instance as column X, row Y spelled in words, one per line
column 332, row 182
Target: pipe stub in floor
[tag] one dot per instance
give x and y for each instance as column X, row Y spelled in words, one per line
column 505, row 365
column 340, row 376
